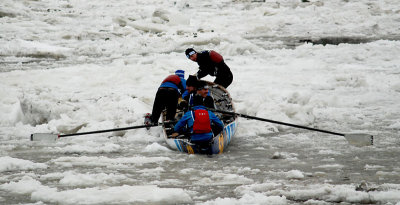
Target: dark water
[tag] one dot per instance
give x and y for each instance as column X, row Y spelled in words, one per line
column 276, row 42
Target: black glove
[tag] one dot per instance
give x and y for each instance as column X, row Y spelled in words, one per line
column 183, row 105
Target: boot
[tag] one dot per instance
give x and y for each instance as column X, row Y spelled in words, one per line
column 147, row 120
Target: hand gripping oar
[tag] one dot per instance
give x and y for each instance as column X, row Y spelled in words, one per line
column 53, row 137
column 356, row 139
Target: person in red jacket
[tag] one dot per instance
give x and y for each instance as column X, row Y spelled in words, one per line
column 200, row 122
column 211, row 63
column 167, row 97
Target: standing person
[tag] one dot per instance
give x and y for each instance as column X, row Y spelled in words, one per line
column 199, row 120
column 167, row 97
column 211, row 63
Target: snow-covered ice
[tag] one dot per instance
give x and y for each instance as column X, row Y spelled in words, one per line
column 75, row 66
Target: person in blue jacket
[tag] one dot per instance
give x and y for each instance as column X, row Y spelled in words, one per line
column 193, row 87
column 167, row 97
column 191, row 84
column 202, row 90
column 199, row 121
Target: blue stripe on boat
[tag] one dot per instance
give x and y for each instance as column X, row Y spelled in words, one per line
column 231, row 130
column 229, row 133
column 178, row 145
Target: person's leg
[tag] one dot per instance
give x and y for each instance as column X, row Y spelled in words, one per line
column 172, row 103
column 205, row 147
column 224, row 80
column 158, row 106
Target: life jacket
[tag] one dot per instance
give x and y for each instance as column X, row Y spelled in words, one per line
column 201, row 121
column 173, row 79
column 215, row 57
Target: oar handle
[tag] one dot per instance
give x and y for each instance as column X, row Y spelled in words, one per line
column 116, row 129
column 109, row 130
column 277, row 122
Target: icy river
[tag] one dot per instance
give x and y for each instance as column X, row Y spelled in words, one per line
column 75, row 66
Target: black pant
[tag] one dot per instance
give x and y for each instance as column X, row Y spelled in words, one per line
column 165, row 98
column 224, row 76
column 204, row 147
column 224, row 81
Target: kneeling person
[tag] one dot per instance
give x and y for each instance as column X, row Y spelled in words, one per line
column 199, row 121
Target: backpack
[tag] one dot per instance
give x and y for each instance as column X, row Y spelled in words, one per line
column 201, row 122
column 215, row 57
column 173, row 79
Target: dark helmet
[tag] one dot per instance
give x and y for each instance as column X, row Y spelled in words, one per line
column 189, row 52
column 201, row 85
column 192, row 81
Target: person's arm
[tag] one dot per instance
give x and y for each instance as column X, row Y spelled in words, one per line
column 181, row 87
column 185, row 95
column 182, row 122
column 183, row 81
column 201, row 74
column 209, row 102
column 216, row 120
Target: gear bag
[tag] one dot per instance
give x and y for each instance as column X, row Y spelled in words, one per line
column 201, row 122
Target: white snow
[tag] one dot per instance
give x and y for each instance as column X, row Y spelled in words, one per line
column 87, row 179
column 105, row 161
column 15, row 164
column 26, row 185
column 75, row 66
column 294, row 174
column 115, row 194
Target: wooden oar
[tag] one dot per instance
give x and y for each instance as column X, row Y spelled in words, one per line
column 53, row 137
column 356, row 139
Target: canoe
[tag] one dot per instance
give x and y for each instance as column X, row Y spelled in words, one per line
column 220, row 141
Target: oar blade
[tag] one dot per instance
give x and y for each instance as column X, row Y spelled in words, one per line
column 360, row 140
column 43, row 137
